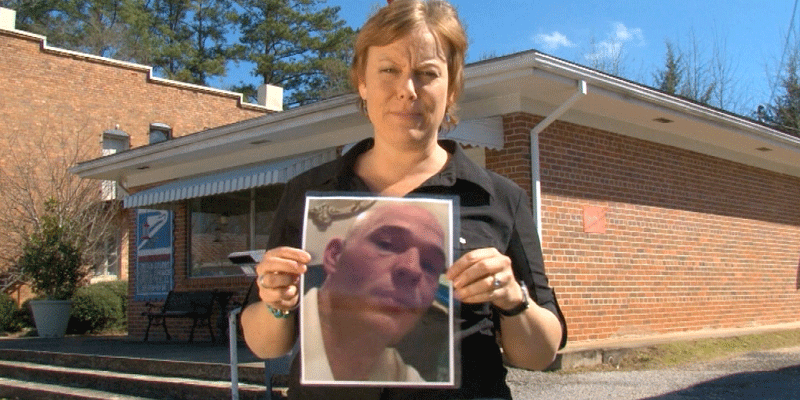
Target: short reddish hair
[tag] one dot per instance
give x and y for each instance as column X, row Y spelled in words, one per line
column 399, row 19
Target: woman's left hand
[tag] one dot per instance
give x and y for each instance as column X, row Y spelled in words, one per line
column 485, row 275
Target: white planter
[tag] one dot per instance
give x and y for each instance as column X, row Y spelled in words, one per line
column 51, row 317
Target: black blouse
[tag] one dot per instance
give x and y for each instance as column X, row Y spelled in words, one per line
column 494, row 212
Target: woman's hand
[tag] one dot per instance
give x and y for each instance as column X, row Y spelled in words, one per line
column 279, row 274
column 530, row 340
column 485, row 275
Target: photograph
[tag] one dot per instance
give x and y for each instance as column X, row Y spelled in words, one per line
column 376, row 307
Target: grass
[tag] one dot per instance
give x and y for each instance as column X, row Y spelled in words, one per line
column 681, row 353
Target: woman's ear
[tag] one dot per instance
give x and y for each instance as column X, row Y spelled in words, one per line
column 362, row 88
column 331, row 256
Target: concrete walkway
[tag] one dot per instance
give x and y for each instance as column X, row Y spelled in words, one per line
column 575, row 354
column 122, row 346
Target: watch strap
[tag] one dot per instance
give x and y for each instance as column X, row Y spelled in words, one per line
column 519, row 308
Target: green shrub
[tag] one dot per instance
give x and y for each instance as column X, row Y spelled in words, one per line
column 12, row 318
column 8, row 309
column 24, row 316
column 99, row 307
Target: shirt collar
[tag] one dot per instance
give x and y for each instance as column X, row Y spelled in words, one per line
column 458, row 168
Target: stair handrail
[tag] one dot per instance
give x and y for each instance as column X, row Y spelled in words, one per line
column 233, row 344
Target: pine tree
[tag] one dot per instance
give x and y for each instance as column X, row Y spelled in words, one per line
column 784, row 112
column 191, row 44
column 669, row 79
column 297, row 45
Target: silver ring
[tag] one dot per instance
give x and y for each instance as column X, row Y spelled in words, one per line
column 496, row 282
column 261, row 281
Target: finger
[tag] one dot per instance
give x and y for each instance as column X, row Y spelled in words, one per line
column 277, row 280
column 279, row 295
column 488, row 288
column 482, row 269
column 466, row 261
column 284, row 259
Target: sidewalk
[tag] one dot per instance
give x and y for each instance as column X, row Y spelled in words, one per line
column 574, row 355
column 122, row 346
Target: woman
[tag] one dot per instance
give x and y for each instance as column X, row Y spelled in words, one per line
column 408, row 68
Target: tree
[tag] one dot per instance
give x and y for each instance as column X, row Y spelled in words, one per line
column 95, row 27
column 696, row 76
column 669, row 79
column 783, row 112
column 51, row 256
column 296, row 45
column 607, row 56
column 38, row 187
column 188, row 39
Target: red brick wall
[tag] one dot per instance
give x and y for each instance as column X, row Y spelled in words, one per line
column 691, row 242
column 56, row 93
column 52, row 89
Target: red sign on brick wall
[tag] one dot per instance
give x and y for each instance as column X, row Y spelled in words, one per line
column 594, row 219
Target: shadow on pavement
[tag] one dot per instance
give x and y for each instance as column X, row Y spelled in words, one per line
column 781, row 384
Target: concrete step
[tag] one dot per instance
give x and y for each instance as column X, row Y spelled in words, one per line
column 28, row 374
column 248, row 373
column 22, row 390
column 148, row 386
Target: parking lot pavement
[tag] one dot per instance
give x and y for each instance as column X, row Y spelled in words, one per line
column 764, row 375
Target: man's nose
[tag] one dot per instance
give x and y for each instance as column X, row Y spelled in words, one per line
column 408, row 267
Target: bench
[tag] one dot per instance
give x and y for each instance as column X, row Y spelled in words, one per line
column 197, row 305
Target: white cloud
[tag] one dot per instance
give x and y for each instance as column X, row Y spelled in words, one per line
column 553, row 41
column 623, row 34
column 620, row 37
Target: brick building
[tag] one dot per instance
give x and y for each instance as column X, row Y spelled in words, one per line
column 51, row 95
column 657, row 215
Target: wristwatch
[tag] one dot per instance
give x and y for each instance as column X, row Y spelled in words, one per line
column 519, row 308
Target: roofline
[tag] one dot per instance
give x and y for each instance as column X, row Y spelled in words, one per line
column 483, row 72
column 315, row 112
column 625, row 89
column 132, row 66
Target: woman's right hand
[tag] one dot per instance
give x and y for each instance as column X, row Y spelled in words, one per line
column 279, row 275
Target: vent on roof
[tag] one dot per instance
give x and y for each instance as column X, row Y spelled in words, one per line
column 160, row 132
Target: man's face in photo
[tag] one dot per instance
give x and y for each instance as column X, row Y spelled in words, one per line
column 386, row 272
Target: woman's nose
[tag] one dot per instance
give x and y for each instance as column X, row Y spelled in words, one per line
column 407, row 89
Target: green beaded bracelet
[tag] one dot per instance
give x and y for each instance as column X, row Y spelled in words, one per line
column 278, row 313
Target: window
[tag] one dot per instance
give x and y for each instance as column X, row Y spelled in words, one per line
column 108, row 267
column 229, row 222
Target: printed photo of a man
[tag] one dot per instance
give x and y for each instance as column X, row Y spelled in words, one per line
column 381, row 266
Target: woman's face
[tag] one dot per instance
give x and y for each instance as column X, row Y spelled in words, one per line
column 405, row 86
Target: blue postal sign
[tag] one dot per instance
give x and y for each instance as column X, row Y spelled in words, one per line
column 154, row 254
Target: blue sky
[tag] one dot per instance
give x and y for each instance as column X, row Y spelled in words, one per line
column 751, row 34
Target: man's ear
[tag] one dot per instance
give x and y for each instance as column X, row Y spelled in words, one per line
column 331, row 256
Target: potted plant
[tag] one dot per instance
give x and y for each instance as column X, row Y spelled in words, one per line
column 51, row 263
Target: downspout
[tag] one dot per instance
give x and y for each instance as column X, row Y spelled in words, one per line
column 535, row 171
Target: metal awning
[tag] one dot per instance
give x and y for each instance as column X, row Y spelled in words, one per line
column 483, row 132
column 230, row 181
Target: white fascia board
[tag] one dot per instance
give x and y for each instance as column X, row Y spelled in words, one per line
column 644, row 96
column 272, row 127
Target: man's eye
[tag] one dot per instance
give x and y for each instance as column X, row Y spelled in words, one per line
column 384, row 244
column 433, row 267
